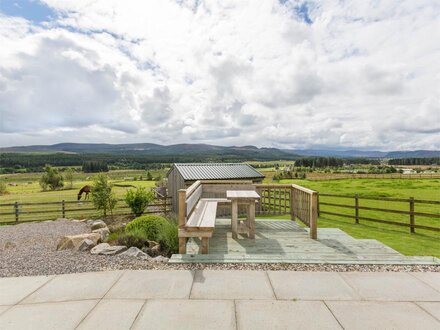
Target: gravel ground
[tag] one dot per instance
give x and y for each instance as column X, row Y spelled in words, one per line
column 30, row 249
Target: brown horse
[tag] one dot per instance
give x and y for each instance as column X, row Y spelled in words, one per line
column 86, row 189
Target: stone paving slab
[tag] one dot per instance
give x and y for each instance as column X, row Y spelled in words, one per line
column 148, row 284
column 382, row 315
column 187, row 314
column 112, row 314
column 47, row 316
column 390, row 287
column 432, row 279
column 432, row 308
column 14, row 289
column 75, row 287
column 310, row 286
column 270, row 314
column 231, row 284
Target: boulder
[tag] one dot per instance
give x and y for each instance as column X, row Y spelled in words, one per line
column 107, row 249
column 98, row 224
column 159, row 259
column 117, row 227
column 86, row 245
column 134, row 252
column 73, row 242
column 104, row 232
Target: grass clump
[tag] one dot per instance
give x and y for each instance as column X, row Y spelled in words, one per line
column 155, row 228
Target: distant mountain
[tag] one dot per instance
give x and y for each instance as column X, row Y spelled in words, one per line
column 150, row 149
column 239, row 152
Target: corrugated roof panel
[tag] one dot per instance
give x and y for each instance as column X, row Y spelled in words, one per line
column 217, row 171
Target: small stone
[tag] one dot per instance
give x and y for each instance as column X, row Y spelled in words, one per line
column 107, row 249
column 155, row 250
column 160, row 259
column 73, row 242
column 134, row 252
column 86, row 245
column 98, row 224
column 152, row 244
column 118, row 227
column 104, row 232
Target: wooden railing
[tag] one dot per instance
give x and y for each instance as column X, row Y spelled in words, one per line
column 41, row 211
column 301, row 203
column 410, row 213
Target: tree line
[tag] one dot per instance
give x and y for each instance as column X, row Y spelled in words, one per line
column 415, row 161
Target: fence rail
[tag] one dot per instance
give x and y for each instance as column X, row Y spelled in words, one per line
column 356, row 207
column 32, row 211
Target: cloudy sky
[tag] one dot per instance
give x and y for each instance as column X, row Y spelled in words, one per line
column 291, row 74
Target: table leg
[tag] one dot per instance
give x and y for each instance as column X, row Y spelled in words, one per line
column 251, row 220
column 234, row 217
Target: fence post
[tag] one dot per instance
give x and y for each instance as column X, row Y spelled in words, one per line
column 411, row 215
column 313, row 216
column 292, row 207
column 356, row 205
column 17, row 213
column 182, row 217
column 317, row 204
column 63, row 208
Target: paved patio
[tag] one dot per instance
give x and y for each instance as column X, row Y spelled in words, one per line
column 284, row 241
column 212, row 299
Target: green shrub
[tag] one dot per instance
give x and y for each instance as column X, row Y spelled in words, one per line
column 52, row 179
column 168, row 238
column 136, row 238
column 3, row 189
column 156, row 228
column 151, row 225
column 138, row 199
column 102, row 196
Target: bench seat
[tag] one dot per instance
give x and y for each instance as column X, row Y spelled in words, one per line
column 203, row 216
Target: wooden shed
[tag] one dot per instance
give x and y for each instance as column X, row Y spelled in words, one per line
column 182, row 175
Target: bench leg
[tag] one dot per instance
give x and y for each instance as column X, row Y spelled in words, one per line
column 182, row 245
column 251, row 219
column 205, row 245
column 234, row 216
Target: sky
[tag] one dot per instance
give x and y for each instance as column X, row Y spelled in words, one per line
column 288, row 74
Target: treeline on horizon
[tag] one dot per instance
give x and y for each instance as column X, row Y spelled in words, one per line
column 23, row 162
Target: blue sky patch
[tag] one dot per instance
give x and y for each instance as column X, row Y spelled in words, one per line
column 32, row 10
column 303, row 12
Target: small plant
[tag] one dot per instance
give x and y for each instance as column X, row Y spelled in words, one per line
column 102, row 196
column 68, row 175
column 169, row 239
column 52, row 179
column 138, row 200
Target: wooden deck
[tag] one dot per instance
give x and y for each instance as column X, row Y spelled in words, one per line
column 284, row 241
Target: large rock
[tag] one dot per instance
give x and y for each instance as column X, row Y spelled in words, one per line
column 117, row 227
column 104, row 232
column 134, row 252
column 73, row 242
column 86, row 245
column 107, row 249
column 159, row 259
column 98, row 224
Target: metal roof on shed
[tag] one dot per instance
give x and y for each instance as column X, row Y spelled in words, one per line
column 217, row 171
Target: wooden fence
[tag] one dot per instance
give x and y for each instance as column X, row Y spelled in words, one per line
column 40, row 211
column 315, row 176
column 410, row 213
column 301, row 203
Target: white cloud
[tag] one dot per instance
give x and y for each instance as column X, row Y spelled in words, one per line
column 362, row 74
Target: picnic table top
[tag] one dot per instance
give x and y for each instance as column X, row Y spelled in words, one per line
column 241, row 194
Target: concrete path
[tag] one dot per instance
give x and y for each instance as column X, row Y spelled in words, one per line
column 221, row 300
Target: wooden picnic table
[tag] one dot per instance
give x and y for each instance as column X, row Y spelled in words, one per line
column 243, row 197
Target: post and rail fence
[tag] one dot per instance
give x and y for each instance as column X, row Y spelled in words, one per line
column 39, row 211
column 410, row 213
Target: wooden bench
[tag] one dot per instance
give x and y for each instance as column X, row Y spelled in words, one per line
column 196, row 217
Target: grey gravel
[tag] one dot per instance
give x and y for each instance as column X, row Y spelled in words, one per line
column 30, row 249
